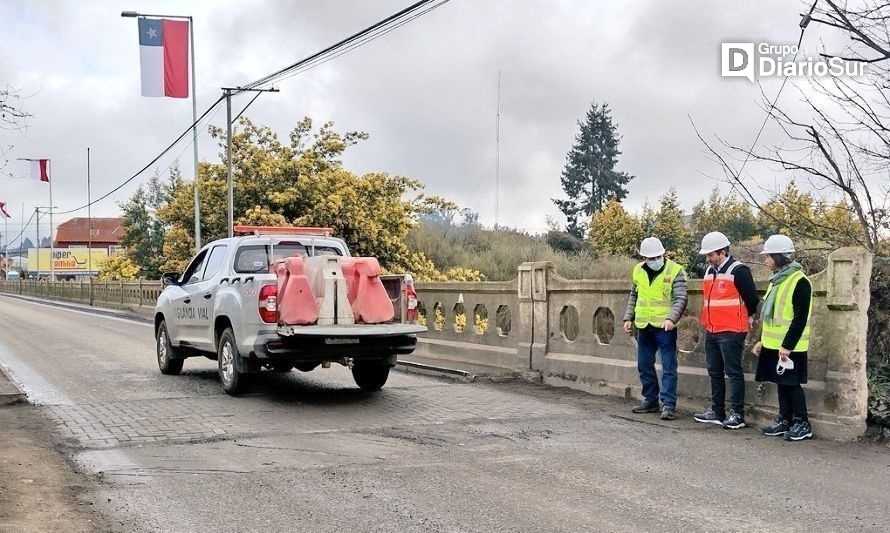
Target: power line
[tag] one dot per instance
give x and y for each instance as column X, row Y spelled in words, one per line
column 311, row 63
column 28, row 223
column 803, row 27
column 355, row 40
column 147, row 166
column 271, row 78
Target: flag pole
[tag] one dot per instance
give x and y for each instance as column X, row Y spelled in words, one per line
column 136, row 14
column 37, row 212
column 195, row 138
column 52, row 249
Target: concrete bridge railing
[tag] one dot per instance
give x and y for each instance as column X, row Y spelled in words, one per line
column 570, row 332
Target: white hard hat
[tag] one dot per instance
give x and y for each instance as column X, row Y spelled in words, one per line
column 777, row 244
column 651, row 247
column 712, row 242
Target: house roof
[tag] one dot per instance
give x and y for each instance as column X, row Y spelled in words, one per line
column 78, row 230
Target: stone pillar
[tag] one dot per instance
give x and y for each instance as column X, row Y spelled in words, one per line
column 847, row 294
column 534, row 314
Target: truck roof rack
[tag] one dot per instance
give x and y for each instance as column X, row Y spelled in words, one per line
column 282, row 230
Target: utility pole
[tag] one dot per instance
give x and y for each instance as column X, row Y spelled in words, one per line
column 497, row 173
column 229, row 185
column 229, row 92
column 90, row 222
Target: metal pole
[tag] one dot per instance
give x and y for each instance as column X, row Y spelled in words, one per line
column 497, row 175
column 229, row 159
column 52, row 249
column 37, row 211
column 195, row 140
column 90, row 221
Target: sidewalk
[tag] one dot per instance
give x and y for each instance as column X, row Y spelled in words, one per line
column 9, row 391
column 38, row 488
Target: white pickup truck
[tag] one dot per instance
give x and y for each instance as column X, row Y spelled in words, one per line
column 224, row 307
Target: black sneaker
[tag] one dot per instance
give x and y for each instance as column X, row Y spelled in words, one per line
column 668, row 413
column 708, row 417
column 779, row 428
column 734, row 421
column 648, row 406
column 800, row 431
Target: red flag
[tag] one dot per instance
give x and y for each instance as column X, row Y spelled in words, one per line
column 40, row 169
column 4, row 211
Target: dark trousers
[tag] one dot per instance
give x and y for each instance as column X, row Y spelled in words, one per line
column 723, row 352
column 649, row 341
column 792, row 403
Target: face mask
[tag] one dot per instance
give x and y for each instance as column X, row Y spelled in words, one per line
column 655, row 264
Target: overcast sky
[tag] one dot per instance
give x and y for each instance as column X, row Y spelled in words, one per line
column 426, row 93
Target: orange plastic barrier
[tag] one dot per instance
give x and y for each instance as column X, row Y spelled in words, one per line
column 369, row 299
column 296, row 303
column 350, row 274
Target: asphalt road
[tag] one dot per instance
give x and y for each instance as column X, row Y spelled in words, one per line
column 310, row 452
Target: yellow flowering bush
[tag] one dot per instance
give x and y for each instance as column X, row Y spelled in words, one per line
column 460, row 322
column 480, row 324
column 438, row 318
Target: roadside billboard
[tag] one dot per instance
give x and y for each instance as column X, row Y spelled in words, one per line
column 67, row 260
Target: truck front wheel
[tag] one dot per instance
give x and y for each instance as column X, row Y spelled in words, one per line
column 229, row 363
column 169, row 361
column 370, row 377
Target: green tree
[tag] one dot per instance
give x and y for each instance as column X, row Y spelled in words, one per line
column 589, row 178
column 301, row 183
column 613, row 231
column 728, row 214
column 671, row 228
column 178, row 249
column 143, row 230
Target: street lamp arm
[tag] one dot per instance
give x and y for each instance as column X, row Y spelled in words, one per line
column 133, row 14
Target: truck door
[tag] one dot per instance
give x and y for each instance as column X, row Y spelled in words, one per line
column 184, row 304
column 206, row 292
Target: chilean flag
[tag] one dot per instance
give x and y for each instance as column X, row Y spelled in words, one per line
column 164, row 57
column 40, row 169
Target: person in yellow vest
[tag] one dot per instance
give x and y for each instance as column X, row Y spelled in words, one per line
column 657, row 301
column 782, row 350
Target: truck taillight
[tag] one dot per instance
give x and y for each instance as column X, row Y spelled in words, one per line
column 411, row 295
column 269, row 303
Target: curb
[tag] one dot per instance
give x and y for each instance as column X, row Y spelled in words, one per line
column 10, row 393
column 435, row 371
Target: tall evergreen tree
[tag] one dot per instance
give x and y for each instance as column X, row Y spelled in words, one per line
column 589, row 178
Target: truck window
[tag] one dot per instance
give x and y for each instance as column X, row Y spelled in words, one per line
column 215, row 261
column 254, row 259
column 195, row 269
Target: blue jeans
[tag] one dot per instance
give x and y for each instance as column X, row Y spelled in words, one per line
column 649, row 340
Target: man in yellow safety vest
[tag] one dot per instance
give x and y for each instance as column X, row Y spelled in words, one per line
column 657, row 301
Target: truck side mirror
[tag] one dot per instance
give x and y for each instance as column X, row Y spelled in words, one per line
column 170, row 278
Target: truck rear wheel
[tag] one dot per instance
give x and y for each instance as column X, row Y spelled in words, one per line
column 169, row 361
column 229, row 361
column 370, row 377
